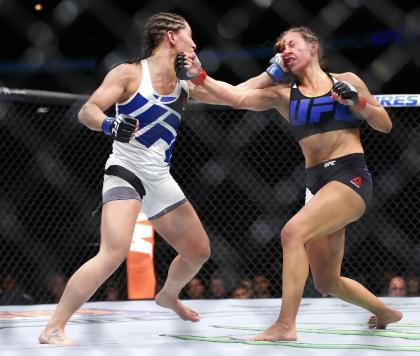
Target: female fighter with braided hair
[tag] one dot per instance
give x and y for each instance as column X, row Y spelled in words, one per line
column 149, row 100
column 323, row 111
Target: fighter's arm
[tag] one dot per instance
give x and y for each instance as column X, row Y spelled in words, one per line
column 217, row 92
column 108, row 93
column 260, row 81
column 112, row 90
column 208, row 90
column 273, row 74
column 362, row 101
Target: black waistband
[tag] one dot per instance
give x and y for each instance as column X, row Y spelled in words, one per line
column 353, row 157
column 128, row 176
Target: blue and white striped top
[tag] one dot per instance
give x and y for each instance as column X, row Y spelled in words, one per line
column 159, row 117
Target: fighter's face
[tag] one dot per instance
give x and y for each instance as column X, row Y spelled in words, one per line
column 183, row 40
column 297, row 53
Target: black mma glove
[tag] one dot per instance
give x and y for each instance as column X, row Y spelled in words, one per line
column 121, row 127
column 183, row 73
column 349, row 94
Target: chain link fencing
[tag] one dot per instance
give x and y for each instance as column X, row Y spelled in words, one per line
column 241, row 170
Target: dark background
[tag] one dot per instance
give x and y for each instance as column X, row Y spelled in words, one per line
column 70, row 44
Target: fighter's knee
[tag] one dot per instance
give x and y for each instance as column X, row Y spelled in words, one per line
column 290, row 234
column 326, row 286
column 202, row 254
column 113, row 260
column 197, row 254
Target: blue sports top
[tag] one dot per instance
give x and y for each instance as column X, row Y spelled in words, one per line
column 313, row 115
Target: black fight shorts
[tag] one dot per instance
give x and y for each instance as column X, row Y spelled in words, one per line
column 350, row 170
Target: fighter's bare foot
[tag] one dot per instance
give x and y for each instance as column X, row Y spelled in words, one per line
column 54, row 336
column 175, row 305
column 277, row 332
column 381, row 321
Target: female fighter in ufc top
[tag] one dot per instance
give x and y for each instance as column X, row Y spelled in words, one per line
column 323, row 111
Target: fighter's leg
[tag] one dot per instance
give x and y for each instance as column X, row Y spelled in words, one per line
column 325, row 257
column 182, row 229
column 333, row 207
column 117, row 226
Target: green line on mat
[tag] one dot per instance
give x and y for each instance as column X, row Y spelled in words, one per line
column 231, row 340
column 380, row 333
column 394, row 325
column 304, row 345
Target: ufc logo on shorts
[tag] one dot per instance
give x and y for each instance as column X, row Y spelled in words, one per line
column 329, row 164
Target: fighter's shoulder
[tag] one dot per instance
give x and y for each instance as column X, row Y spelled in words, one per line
column 348, row 77
column 127, row 71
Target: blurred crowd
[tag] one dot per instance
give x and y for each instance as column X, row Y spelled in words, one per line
column 257, row 286
column 260, row 287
